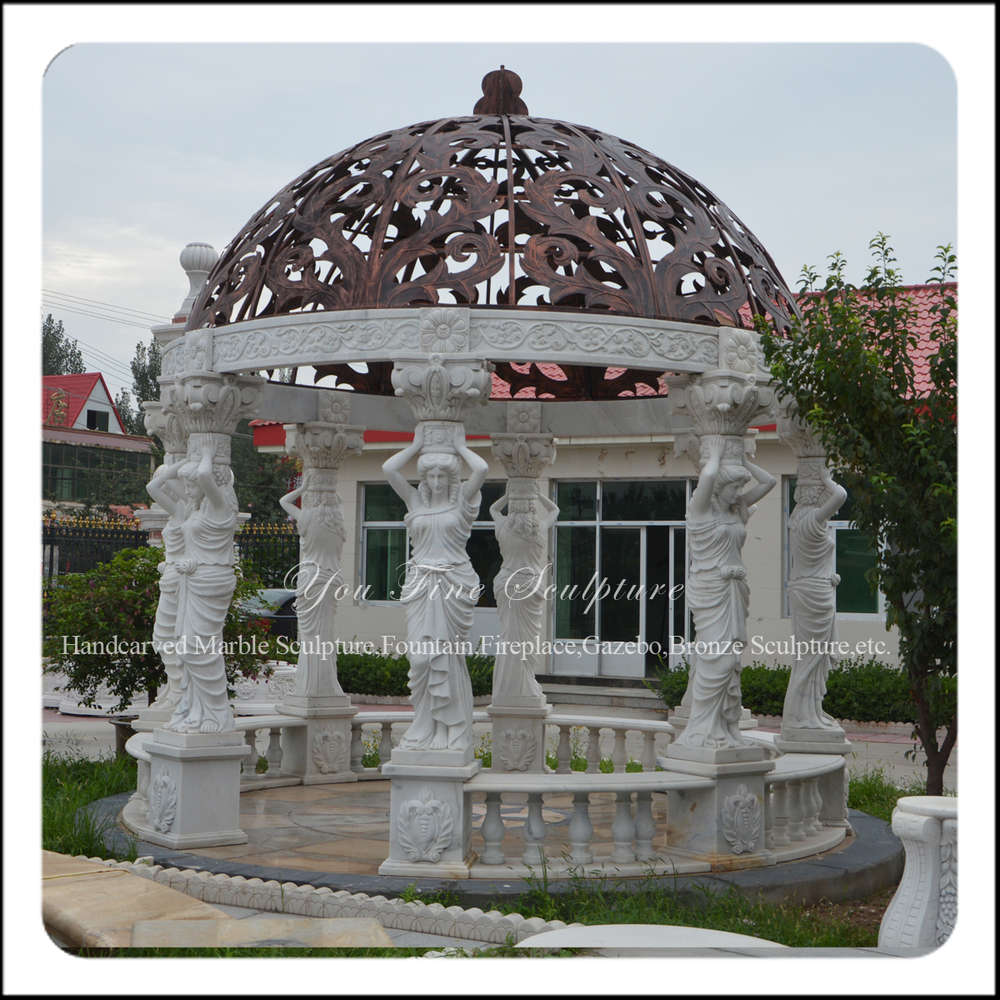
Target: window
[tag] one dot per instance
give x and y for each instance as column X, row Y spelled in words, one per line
column 97, row 420
column 620, row 561
column 385, row 546
column 855, row 557
column 73, row 472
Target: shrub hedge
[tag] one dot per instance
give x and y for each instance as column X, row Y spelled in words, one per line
column 385, row 676
column 858, row 689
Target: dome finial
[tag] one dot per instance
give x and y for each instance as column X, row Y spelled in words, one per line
column 501, row 88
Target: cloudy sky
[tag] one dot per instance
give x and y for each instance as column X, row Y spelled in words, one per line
column 148, row 146
column 132, row 130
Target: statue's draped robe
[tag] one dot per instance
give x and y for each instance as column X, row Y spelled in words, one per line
column 812, row 601
column 719, row 598
column 438, row 602
column 204, row 595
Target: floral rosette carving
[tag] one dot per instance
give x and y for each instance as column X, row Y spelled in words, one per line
column 524, row 416
column 741, row 352
column 444, row 331
column 742, row 820
column 424, row 827
column 329, row 750
column 162, row 800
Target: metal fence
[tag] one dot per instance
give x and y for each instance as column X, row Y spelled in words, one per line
column 82, row 544
column 270, row 551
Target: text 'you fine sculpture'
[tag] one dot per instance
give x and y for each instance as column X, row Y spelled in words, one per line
column 203, row 578
column 718, row 593
column 441, row 586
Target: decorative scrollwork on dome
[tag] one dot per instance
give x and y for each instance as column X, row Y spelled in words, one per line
column 499, row 210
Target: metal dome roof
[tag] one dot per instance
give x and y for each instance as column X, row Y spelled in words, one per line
column 497, row 209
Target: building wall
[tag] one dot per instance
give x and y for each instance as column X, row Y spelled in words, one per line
column 98, row 400
column 648, row 457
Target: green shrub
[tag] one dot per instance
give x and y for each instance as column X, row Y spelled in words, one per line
column 386, row 676
column 857, row 689
column 118, row 600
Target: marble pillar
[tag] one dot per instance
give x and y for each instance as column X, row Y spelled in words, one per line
column 518, row 707
column 319, row 752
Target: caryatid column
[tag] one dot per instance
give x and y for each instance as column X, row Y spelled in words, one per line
column 165, row 531
column 319, row 752
column 195, row 756
column 720, row 403
column 812, row 603
column 726, row 819
column 518, row 707
column 430, row 813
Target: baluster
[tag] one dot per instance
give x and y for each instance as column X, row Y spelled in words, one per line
column 493, row 831
column 648, row 752
column 385, row 744
column 357, row 744
column 273, row 753
column 769, row 815
column 250, row 763
column 623, row 830
column 779, row 805
column 645, row 827
column 534, row 830
column 619, row 755
column 813, row 826
column 564, row 752
column 796, row 813
column 594, row 749
column 581, row 830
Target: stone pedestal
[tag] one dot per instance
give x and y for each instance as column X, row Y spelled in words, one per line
column 724, row 824
column 923, row 911
column 430, row 818
column 194, row 789
column 518, row 737
column 319, row 753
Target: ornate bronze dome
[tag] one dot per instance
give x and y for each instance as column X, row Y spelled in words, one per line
column 497, row 210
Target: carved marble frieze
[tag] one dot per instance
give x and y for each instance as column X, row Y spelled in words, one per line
column 378, row 336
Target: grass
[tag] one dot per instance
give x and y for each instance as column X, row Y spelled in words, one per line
column 69, row 783
column 870, row 791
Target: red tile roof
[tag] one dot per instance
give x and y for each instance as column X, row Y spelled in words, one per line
column 76, row 390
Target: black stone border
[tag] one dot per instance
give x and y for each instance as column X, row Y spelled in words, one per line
column 873, row 861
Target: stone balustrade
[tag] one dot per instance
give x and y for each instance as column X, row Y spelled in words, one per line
column 803, row 810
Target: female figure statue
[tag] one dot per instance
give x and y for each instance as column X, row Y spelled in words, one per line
column 440, row 590
column 718, row 595
column 522, row 537
column 206, row 581
column 165, row 623
column 321, row 538
column 812, row 599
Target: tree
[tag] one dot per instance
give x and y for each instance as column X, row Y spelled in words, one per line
column 849, row 369
column 117, row 600
column 146, row 368
column 60, row 355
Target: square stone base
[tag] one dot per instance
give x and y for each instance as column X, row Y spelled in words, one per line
column 518, row 738
column 724, row 824
column 430, row 821
column 194, row 789
column 320, row 751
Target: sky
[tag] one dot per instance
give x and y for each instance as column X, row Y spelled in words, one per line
column 133, row 130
